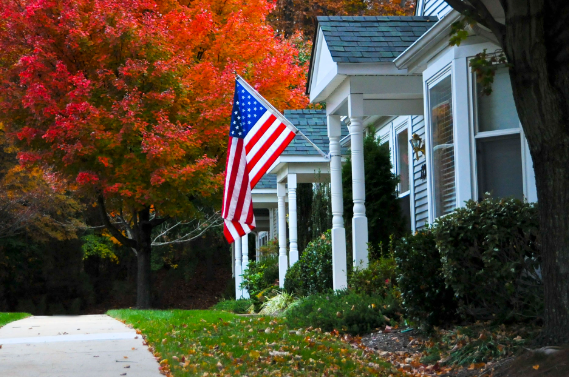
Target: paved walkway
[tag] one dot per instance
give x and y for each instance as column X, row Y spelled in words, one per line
column 78, row 346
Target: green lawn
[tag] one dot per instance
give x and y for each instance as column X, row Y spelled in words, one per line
column 208, row 342
column 11, row 317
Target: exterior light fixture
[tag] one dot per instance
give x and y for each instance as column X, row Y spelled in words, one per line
column 418, row 145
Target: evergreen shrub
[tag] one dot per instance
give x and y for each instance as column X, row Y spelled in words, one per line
column 240, row 306
column 491, row 259
column 261, row 275
column 344, row 311
column 378, row 278
column 313, row 271
column 425, row 298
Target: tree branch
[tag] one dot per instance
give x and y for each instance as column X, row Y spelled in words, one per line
column 478, row 11
column 114, row 231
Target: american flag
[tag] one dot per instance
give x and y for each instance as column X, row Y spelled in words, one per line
column 257, row 136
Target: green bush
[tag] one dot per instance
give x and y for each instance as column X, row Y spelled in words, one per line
column 235, row 306
column 377, row 279
column 344, row 311
column 261, row 275
column 491, row 258
column 313, row 271
column 425, row 298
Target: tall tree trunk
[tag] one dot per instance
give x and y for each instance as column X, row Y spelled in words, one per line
column 536, row 44
column 143, row 281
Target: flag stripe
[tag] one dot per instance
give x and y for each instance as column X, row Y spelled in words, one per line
column 257, row 127
column 236, row 156
column 272, row 159
column 272, row 149
column 263, row 140
column 264, row 127
column 265, row 147
column 229, row 169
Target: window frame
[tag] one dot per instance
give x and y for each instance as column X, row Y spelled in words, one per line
column 476, row 135
column 431, row 82
column 399, row 128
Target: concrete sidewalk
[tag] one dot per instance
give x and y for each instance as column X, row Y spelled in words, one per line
column 78, row 346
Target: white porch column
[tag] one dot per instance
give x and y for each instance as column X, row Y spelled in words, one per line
column 257, row 246
column 245, row 260
column 238, row 271
column 359, row 221
column 339, row 266
column 283, row 260
column 292, row 219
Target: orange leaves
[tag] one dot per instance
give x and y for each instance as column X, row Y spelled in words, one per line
column 133, row 97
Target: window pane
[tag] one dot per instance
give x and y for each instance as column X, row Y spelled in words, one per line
column 497, row 111
column 499, row 163
column 403, row 160
column 440, row 99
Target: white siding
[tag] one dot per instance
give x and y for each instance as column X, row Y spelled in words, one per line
column 434, row 8
column 420, row 197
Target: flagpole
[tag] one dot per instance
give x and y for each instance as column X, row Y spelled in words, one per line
column 281, row 116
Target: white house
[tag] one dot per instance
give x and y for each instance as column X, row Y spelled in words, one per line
column 397, row 77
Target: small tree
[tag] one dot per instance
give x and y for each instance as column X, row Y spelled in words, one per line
column 382, row 209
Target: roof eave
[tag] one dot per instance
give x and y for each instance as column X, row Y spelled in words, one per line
column 409, row 59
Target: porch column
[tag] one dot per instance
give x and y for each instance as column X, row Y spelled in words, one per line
column 292, row 219
column 283, row 260
column 238, row 272
column 339, row 266
column 359, row 221
column 257, row 245
column 245, row 260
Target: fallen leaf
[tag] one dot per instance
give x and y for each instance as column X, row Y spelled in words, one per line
column 536, row 367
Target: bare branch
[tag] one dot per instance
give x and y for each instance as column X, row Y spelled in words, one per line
column 211, row 221
column 114, row 231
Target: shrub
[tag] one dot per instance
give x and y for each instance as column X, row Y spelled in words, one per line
column 271, row 249
column 423, row 292
column 313, row 271
column 344, row 311
column 377, row 279
column 261, row 275
column 491, row 258
column 240, row 306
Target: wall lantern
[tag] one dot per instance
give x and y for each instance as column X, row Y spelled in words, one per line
column 418, row 145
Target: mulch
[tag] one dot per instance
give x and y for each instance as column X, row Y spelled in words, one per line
column 404, row 347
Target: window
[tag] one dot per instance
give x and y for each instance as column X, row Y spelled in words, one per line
column 442, row 146
column 403, row 160
column 498, row 146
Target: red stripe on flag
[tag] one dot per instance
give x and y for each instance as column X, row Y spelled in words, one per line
column 260, row 133
column 266, row 146
column 226, row 165
column 234, row 171
column 242, row 193
column 227, row 234
column 272, row 159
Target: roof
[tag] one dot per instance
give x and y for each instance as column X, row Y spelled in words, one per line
column 367, row 39
column 268, row 181
column 313, row 124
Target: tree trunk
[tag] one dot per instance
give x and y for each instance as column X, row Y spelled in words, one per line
column 144, row 250
column 536, row 45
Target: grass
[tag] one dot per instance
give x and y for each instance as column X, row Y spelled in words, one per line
column 11, row 317
column 209, row 342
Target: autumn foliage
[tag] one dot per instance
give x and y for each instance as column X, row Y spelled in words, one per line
column 131, row 98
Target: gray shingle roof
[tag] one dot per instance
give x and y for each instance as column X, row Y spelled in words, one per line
column 372, row 39
column 313, row 124
column 268, row 181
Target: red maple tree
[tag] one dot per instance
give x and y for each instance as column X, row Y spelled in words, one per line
column 129, row 99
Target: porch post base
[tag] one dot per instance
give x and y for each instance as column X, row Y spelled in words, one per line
column 339, row 273
column 359, row 242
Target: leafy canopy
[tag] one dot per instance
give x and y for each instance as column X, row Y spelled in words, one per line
column 131, row 98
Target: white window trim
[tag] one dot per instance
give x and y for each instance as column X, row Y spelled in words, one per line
column 429, row 83
column 528, row 174
column 403, row 125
